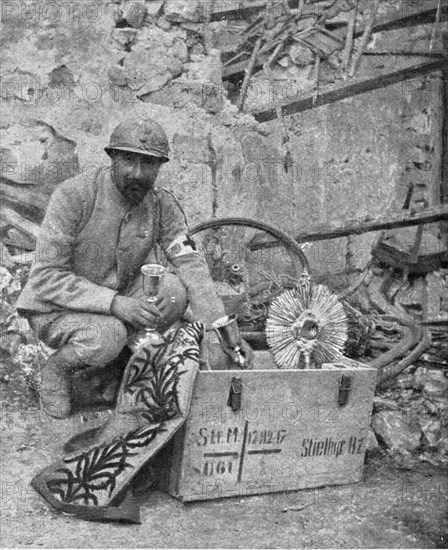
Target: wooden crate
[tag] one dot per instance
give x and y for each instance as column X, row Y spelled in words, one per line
column 291, row 432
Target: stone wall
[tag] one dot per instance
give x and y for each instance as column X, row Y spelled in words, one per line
column 71, row 70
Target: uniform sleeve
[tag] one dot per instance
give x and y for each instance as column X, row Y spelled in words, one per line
column 190, row 265
column 51, row 279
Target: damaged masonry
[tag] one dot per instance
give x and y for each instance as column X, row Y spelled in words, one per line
column 324, row 121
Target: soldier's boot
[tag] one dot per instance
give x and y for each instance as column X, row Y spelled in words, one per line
column 96, row 387
column 55, row 390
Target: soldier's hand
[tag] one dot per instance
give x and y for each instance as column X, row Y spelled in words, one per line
column 220, row 358
column 138, row 312
column 245, row 351
column 248, row 355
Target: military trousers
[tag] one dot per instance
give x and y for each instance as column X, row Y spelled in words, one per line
column 93, row 339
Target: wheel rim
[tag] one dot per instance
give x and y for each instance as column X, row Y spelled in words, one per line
column 265, row 258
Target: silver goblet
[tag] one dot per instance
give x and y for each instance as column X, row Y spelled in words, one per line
column 229, row 333
column 153, row 275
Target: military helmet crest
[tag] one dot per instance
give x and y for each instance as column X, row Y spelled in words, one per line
column 140, row 135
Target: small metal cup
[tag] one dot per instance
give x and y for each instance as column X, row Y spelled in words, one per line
column 153, row 275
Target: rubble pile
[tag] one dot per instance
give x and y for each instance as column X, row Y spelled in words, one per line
column 21, row 354
column 411, row 418
column 410, row 412
column 255, row 45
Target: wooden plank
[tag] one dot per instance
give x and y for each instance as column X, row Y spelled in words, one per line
column 21, row 223
column 19, row 240
column 427, row 16
column 297, row 104
column 241, row 12
column 29, row 195
column 422, row 265
column 290, row 433
column 417, row 17
column 334, row 230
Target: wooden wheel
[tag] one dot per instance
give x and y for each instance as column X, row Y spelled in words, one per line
column 250, row 262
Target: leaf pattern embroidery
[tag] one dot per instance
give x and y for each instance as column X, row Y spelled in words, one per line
column 154, row 380
column 98, row 469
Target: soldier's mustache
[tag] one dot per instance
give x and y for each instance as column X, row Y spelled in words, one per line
column 137, row 185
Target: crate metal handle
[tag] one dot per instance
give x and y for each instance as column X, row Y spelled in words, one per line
column 235, row 394
column 345, row 387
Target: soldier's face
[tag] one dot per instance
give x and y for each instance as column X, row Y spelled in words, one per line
column 134, row 174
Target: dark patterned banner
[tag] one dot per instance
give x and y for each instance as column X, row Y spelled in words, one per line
column 153, row 402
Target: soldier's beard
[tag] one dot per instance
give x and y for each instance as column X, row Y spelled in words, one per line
column 134, row 193
column 132, row 190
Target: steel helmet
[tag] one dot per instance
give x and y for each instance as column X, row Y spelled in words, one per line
column 140, row 135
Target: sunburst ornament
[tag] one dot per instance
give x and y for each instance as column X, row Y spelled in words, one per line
column 306, row 327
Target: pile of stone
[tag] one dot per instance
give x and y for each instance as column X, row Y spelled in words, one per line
column 21, row 354
column 410, row 412
column 411, row 418
column 165, row 42
column 293, row 42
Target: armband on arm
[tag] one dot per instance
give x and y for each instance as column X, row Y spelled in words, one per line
column 181, row 246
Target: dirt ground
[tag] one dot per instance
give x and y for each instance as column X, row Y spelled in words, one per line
column 392, row 508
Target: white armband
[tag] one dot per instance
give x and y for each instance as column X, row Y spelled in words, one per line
column 181, row 246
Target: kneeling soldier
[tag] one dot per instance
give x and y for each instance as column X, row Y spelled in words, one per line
column 84, row 294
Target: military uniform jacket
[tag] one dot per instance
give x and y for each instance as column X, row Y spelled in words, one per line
column 92, row 244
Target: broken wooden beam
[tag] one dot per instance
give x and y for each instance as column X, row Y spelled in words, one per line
column 8, row 261
column 29, row 195
column 412, row 18
column 335, row 230
column 422, row 264
column 16, row 220
column 365, row 37
column 420, row 17
column 20, row 240
column 241, row 12
column 297, row 104
column 366, row 225
column 249, row 71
